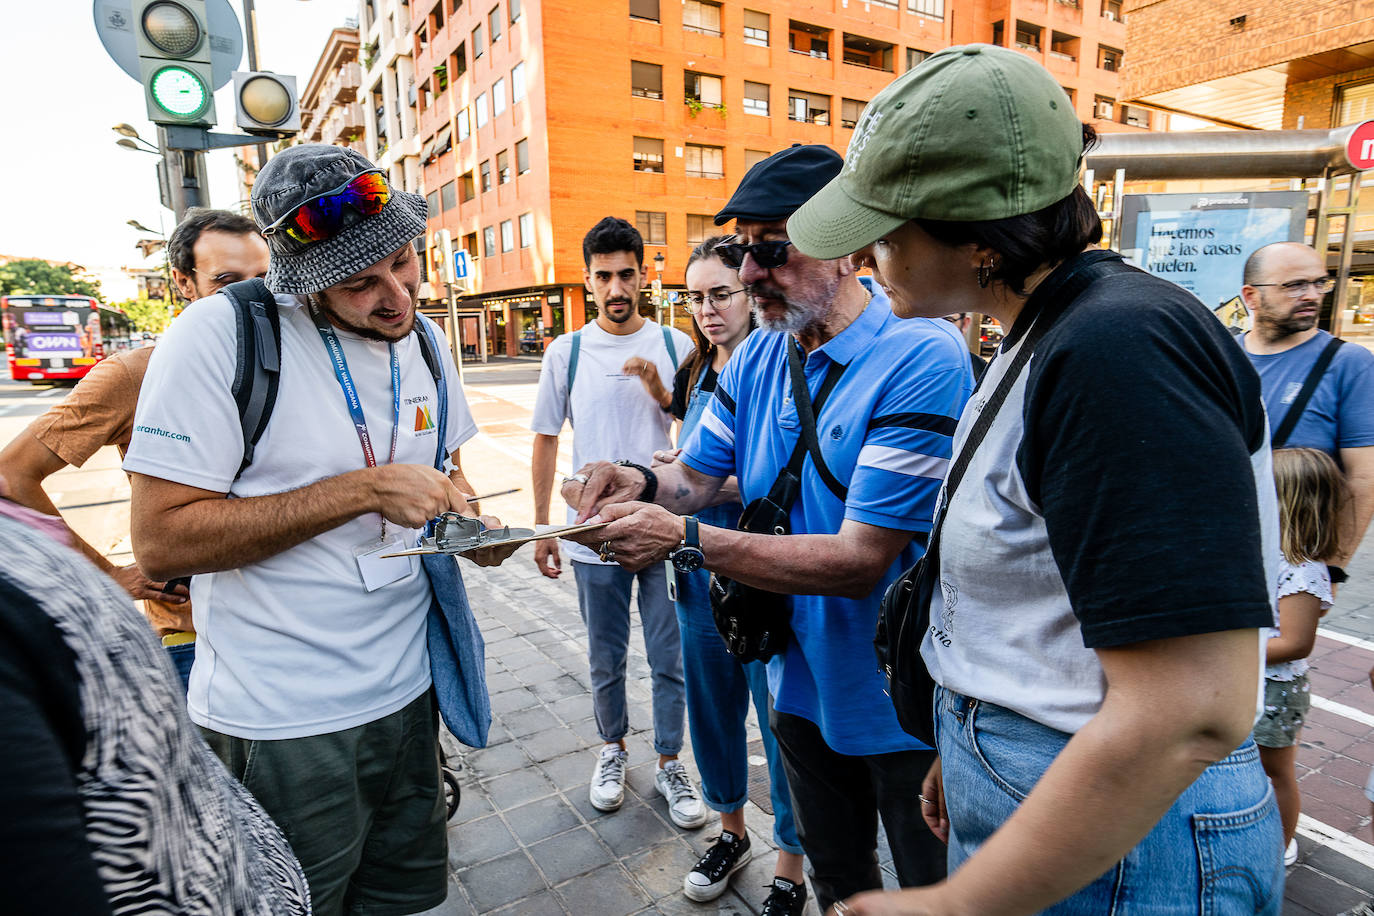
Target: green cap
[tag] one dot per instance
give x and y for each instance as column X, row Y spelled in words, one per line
column 974, row 132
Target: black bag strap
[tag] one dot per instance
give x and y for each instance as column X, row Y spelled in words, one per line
column 257, row 363
column 1047, row 302
column 1309, row 386
column 785, row 488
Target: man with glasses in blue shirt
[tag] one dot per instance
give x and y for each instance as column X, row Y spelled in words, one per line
column 884, row 435
column 1285, row 284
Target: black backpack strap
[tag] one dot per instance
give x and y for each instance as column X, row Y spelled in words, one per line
column 257, row 363
column 1309, row 387
column 805, row 412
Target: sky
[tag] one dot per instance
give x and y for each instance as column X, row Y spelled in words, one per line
column 69, row 190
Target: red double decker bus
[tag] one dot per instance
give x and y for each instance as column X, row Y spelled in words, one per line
column 60, row 337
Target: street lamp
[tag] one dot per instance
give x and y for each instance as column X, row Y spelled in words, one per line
column 658, row 287
column 129, row 139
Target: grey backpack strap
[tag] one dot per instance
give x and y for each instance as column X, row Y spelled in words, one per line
column 257, row 362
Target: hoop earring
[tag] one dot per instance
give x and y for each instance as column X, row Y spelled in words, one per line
column 984, row 273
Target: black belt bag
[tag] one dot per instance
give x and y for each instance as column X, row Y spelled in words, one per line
column 757, row 624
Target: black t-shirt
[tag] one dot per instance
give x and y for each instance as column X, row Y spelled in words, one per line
column 682, row 388
column 1122, row 494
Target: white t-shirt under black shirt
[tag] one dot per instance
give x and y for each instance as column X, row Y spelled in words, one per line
column 294, row 645
column 611, row 413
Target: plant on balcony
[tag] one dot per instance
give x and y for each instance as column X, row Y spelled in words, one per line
column 694, row 106
column 441, row 73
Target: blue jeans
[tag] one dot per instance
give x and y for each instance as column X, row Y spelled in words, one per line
column 1217, row 851
column 183, row 656
column 603, row 596
column 718, row 692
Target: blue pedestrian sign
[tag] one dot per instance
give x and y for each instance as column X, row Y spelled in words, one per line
column 460, row 264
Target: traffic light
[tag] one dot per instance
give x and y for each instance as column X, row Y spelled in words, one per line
column 265, row 104
column 173, row 41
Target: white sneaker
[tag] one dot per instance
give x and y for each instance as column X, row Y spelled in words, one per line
column 608, row 779
column 1290, row 855
column 684, row 805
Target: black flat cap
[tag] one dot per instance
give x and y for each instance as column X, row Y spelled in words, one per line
column 774, row 188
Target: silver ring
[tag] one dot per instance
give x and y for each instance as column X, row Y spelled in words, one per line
column 841, row 908
column 924, row 800
column 576, row 478
column 606, row 553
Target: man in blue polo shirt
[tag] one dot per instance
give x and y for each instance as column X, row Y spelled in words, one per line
column 885, row 437
column 1284, row 286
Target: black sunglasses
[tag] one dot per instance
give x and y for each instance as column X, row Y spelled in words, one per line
column 767, row 255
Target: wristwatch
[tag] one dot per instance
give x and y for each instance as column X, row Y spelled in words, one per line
column 650, row 480
column 687, row 556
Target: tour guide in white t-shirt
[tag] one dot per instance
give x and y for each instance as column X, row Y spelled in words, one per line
column 312, row 678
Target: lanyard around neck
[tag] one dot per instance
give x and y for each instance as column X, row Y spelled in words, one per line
column 339, row 363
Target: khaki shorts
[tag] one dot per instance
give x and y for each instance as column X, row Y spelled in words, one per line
column 362, row 808
column 1285, row 709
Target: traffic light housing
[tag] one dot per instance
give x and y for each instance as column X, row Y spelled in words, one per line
column 265, row 104
column 173, row 40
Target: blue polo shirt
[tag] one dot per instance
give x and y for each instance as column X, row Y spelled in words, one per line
column 1341, row 412
column 886, row 433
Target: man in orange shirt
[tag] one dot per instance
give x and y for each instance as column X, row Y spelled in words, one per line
column 208, row 250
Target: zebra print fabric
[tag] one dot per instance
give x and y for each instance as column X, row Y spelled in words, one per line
column 171, row 831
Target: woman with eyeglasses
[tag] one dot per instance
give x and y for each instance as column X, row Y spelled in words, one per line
column 718, row 686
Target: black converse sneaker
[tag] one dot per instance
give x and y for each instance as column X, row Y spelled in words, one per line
column 708, row 880
column 784, row 899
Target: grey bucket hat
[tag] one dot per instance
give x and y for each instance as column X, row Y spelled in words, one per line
column 299, row 173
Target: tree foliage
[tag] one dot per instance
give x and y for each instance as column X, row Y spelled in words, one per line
column 31, row 276
column 148, row 315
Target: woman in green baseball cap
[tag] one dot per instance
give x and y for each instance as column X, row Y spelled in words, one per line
column 1099, row 573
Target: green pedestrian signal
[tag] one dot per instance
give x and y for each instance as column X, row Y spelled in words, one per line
column 174, row 61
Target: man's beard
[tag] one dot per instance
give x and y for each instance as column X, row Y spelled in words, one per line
column 796, row 317
column 322, row 303
column 630, row 310
column 1289, row 325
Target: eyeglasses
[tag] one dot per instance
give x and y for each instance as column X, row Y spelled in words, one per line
column 767, row 255
column 322, row 217
column 1294, row 289
column 720, row 299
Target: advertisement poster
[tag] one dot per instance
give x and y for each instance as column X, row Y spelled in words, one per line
column 1201, row 241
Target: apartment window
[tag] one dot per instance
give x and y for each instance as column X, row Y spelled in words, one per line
column 517, row 82
column 464, row 126
column 700, row 227
column 432, row 204
column 1028, row 36
column 437, row 17
column 850, row 112
column 498, row 97
column 652, row 226
column 457, row 5
column 459, row 59
column 467, row 187
column 489, row 241
column 526, row 230
column 494, row 23
column 485, row 171
column 515, row 10
column 522, row 157
column 935, row 9
column 804, row 38
column 859, row 51
column 1354, row 103
column 1073, row 96
column 440, row 78
column 1103, row 107
column 477, row 47
column 753, row 157
column 702, row 87
column 756, row 28
column 914, row 56
column 705, row 161
column 1135, row 116
column 701, row 16
column 1111, row 9
column 1064, row 46
column 808, row 107
column 470, row 245
column 756, row 98
column 999, row 32
column 507, row 235
column 648, row 154
column 1109, row 58
column 646, row 80
column 503, row 173
column 479, row 111
column 644, row 9
column 448, row 196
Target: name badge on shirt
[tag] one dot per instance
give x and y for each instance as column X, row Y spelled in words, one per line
column 377, row 571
